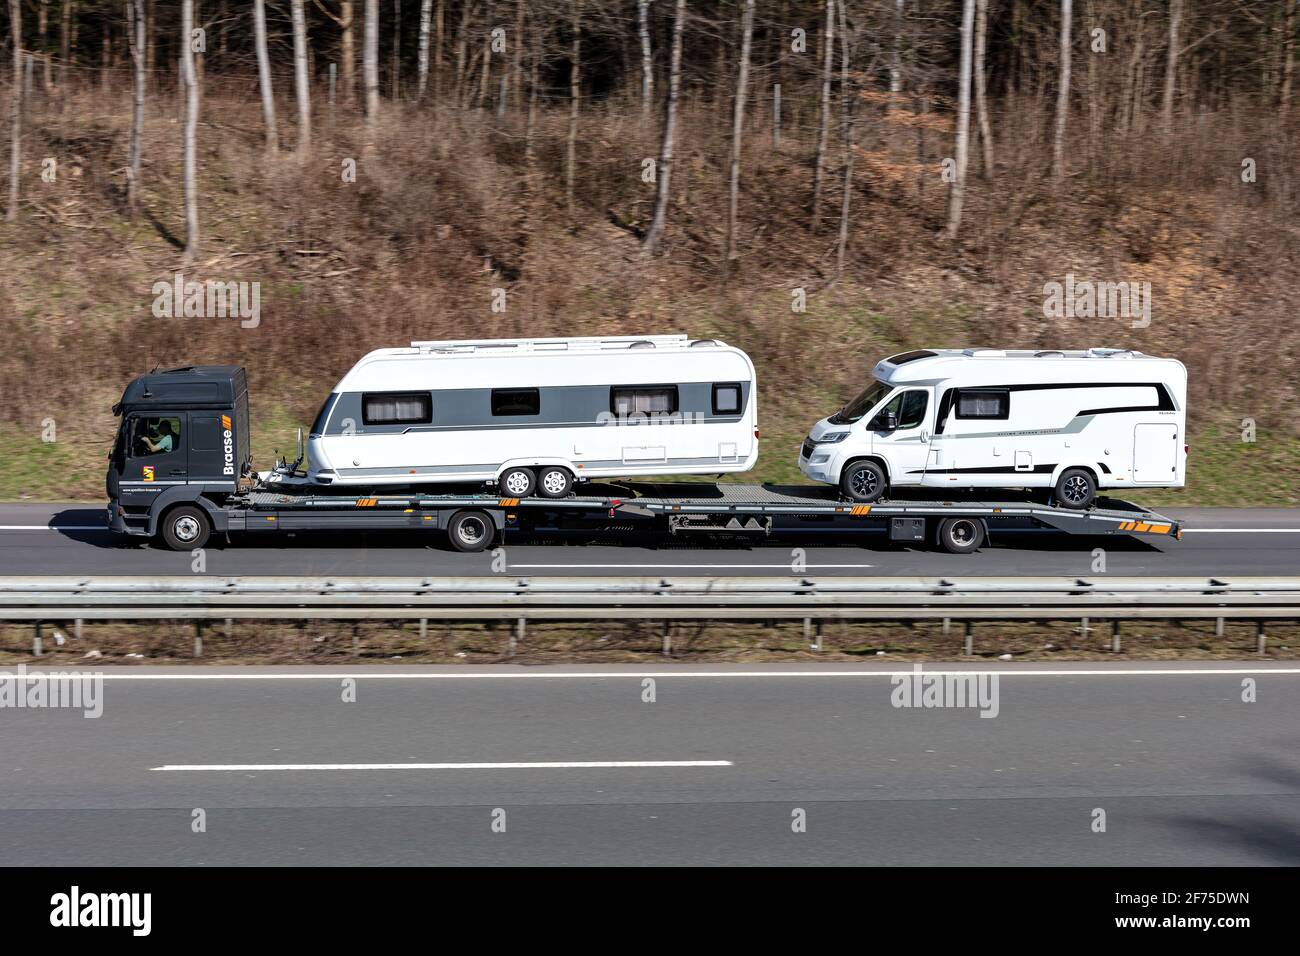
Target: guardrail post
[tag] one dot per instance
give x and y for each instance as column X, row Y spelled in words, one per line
column 1218, row 627
column 230, row 628
column 76, row 628
column 198, row 637
column 1114, row 637
column 807, row 630
column 517, row 636
column 947, row 626
column 668, row 639
column 1084, row 629
column 356, row 641
column 424, row 628
column 36, row 640
column 1260, row 639
column 970, row 640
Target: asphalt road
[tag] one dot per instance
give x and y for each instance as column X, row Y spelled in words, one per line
column 1184, row 770
column 72, row 539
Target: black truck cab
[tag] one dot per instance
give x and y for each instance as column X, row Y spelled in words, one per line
column 183, row 443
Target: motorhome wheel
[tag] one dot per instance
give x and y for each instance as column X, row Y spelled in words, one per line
column 863, row 481
column 1075, row 488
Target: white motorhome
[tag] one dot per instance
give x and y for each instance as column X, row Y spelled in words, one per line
column 1072, row 421
column 538, row 414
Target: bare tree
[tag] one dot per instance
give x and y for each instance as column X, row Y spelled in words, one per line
column 300, row 83
column 575, row 100
column 65, row 43
column 370, row 69
column 737, row 130
column 848, row 95
column 981, row 98
column 663, row 179
column 396, row 68
column 1171, row 64
column 422, row 77
column 439, row 21
column 1062, row 95
column 647, row 63
column 15, row 109
column 347, row 45
column 190, row 174
column 264, row 76
column 135, row 28
column 824, row 123
column 42, row 26
column 1288, row 55
column 957, row 194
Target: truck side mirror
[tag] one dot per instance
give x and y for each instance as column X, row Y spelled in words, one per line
column 891, row 421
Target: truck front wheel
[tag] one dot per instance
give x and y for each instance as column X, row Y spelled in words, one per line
column 470, row 531
column 186, row 527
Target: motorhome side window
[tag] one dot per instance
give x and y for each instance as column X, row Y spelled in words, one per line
column 726, row 399
column 992, row 403
column 396, row 408
column 643, row 400
column 516, row 401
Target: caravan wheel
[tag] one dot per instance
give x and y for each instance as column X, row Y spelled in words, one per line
column 517, row 482
column 555, row 482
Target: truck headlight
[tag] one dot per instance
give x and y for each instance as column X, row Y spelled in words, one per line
column 831, row 439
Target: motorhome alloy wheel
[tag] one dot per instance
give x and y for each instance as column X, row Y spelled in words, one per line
column 863, row 481
column 1075, row 488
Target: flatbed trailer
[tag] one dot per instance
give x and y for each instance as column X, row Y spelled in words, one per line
column 473, row 521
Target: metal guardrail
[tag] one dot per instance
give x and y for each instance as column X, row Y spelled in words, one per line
column 664, row 598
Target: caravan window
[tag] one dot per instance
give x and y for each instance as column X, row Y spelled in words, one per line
column 516, row 401
column 990, row 403
column 643, row 400
column 396, row 408
column 726, row 399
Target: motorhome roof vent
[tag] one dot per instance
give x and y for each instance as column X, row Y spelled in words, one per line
column 987, row 353
column 643, row 344
column 1050, row 353
column 1113, row 353
column 704, row 344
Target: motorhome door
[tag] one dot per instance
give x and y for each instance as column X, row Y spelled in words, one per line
column 1155, row 453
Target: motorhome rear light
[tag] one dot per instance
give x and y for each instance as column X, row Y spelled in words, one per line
column 1186, row 449
column 755, row 432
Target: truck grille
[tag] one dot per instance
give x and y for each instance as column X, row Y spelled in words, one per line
column 808, row 446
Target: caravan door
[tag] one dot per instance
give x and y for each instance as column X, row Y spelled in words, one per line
column 1155, row 454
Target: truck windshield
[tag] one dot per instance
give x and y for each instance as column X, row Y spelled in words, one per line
column 864, row 403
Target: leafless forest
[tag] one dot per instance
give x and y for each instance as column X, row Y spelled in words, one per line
column 818, row 181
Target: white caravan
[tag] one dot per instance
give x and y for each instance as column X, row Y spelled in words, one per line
column 1072, row 421
column 538, row 414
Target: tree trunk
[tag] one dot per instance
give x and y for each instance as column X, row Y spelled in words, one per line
column 190, row 176
column 981, row 97
column 1062, row 95
column 896, row 57
column 647, row 63
column 15, row 109
column 957, row 193
column 395, row 70
column 1288, row 56
column 370, row 69
column 575, row 101
column 422, row 57
column 1171, row 64
column 301, row 88
column 663, row 178
column 462, row 40
column 135, row 24
column 105, row 48
column 439, row 18
column 824, row 123
column 849, row 96
column 737, row 131
column 42, row 26
column 348, row 53
column 65, row 44
column 151, row 42
column 264, row 76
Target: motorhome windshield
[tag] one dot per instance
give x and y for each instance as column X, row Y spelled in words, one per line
column 864, row 403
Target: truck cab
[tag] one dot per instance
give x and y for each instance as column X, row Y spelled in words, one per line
column 182, row 446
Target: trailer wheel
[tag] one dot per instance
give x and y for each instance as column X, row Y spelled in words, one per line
column 517, row 482
column 185, row 528
column 863, row 481
column 961, row 535
column 470, row 531
column 555, row 482
column 1076, row 488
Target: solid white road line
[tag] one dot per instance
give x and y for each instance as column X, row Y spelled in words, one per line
column 786, row 566
column 530, row 765
column 57, row 527
column 675, row 674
